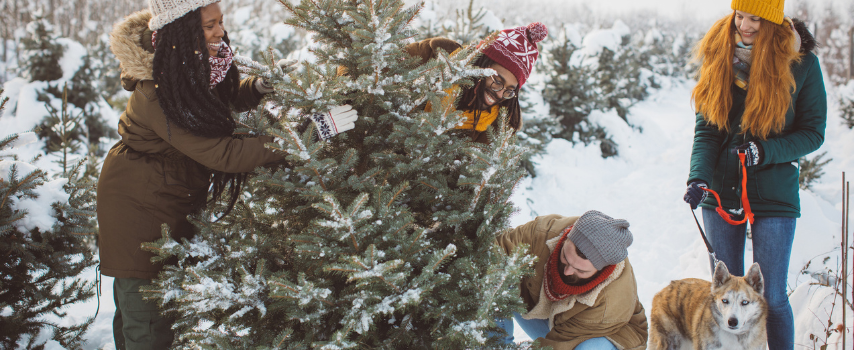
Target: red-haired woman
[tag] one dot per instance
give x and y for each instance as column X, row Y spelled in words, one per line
column 760, row 92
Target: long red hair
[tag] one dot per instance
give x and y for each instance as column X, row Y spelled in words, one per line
column 771, row 79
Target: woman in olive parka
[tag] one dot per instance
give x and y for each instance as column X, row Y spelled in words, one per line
column 760, row 93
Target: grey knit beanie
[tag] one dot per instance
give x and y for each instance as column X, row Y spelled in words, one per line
column 601, row 238
column 166, row 11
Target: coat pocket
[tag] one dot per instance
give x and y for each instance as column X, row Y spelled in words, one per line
column 778, row 183
column 185, row 181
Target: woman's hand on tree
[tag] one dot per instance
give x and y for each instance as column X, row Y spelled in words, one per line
column 335, row 121
column 264, row 86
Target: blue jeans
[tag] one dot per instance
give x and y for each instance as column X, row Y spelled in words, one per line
column 538, row 328
column 772, row 248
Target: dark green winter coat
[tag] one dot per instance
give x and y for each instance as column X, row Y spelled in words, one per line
column 772, row 185
column 151, row 177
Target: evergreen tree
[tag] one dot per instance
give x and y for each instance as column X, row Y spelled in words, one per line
column 811, row 170
column 41, row 51
column 107, row 71
column 537, row 131
column 64, row 129
column 466, row 27
column 623, row 80
column 42, row 223
column 83, row 92
column 834, row 52
column 613, row 78
column 382, row 237
column 846, row 103
column 572, row 91
column 664, row 53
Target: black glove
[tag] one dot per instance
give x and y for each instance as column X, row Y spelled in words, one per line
column 694, row 194
column 263, row 86
column 286, row 66
column 753, row 153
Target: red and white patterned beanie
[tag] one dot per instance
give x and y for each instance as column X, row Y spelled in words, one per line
column 516, row 49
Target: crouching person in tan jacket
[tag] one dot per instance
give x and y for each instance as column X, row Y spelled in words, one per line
column 583, row 295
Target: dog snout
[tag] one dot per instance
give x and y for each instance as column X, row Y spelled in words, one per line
column 732, row 322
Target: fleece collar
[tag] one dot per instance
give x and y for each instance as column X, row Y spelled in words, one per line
column 126, row 42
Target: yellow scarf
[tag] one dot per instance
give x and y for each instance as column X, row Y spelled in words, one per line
column 486, row 117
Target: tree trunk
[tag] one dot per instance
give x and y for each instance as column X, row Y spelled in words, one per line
column 851, row 53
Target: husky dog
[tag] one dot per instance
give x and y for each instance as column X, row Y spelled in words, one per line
column 727, row 314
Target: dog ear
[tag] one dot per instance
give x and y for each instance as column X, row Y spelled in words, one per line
column 754, row 278
column 721, row 276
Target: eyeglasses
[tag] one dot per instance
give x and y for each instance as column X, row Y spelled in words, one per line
column 496, row 86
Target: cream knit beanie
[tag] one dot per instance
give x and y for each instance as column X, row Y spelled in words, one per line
column 166, row 11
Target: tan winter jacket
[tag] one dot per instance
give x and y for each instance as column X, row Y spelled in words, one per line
column 611, row 310
column 150, row 178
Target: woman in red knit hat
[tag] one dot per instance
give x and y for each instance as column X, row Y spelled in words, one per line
column 512, row 56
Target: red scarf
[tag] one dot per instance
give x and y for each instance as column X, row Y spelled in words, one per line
column 219, row 63
column 552, row 283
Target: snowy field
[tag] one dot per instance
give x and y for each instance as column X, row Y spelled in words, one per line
column 645, row 186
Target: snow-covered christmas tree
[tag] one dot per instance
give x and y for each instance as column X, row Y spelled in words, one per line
column 44, row 221
column 570, row 88
column 49, row 65
column 381, row 237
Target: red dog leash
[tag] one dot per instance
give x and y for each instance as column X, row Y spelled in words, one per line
column 748, row 214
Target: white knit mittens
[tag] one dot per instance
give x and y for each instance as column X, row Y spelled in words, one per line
column 334, row 122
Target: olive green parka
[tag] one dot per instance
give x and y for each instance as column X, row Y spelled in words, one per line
column 151, row 177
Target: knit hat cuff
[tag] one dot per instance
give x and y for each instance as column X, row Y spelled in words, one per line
column 588, row 249
column 162, row 18
column 511, row 65
column 759, row 8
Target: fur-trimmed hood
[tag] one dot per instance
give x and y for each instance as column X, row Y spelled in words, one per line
column 808, row 42
column 130, row 41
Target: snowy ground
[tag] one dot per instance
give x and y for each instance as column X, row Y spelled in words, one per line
column 645, row 185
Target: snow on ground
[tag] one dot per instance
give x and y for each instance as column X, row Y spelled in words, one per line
column 645, row 186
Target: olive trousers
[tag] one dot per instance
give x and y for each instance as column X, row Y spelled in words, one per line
column 138, row 323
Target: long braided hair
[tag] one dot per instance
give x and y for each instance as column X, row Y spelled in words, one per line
column 471, row 99
column 182, row 77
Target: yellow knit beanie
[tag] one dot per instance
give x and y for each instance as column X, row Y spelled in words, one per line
column 771, row 10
